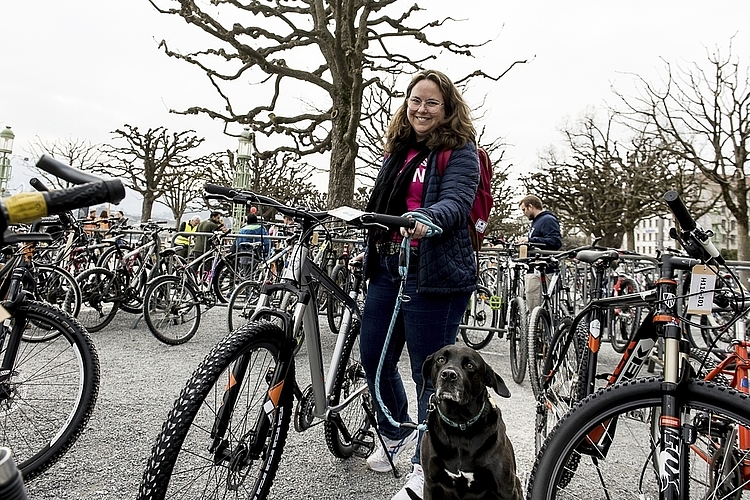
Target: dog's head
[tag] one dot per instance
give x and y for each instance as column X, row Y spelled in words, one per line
column 460, row 374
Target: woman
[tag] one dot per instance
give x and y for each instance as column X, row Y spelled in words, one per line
column 442, row 270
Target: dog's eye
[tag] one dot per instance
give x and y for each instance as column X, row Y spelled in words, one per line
column 441, row 359
column 470, row 365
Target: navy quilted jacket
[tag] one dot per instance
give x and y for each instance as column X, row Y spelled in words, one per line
column 447, row 263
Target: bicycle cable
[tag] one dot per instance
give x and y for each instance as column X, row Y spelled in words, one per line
column 403, row 271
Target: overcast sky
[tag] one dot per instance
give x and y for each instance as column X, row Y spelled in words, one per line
column 78, row 69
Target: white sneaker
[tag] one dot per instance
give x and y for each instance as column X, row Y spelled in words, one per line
column 415, row 485
column 378, row 461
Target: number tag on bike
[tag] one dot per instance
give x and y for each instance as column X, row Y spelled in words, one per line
column 702, row 284
column 4, row 314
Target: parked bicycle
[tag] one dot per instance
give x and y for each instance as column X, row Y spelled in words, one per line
column 48, row 388
column 227, row 430
column 606, row 446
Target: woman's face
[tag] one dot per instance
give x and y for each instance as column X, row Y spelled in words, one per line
column 424, row 108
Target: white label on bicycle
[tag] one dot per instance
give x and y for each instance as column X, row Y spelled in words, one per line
column 345, row 213
column 595, row 328
column 4, row 314
column 702, row 284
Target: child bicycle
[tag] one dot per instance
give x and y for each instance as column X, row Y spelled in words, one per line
column 227, row 430
column 671, row 437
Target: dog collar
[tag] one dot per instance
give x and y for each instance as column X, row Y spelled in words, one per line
column 466, row 424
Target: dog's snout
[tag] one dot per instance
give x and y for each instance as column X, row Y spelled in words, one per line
column 449, row 374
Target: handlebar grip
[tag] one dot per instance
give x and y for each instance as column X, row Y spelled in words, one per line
column 38, row 185
column 27, row 207
column 220, row 190
column 680, row 211
column 391, row 221
column 63, row 171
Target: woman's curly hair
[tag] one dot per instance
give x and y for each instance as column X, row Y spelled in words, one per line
column 453, row 133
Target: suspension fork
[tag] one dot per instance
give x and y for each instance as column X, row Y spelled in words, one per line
column 276, row 376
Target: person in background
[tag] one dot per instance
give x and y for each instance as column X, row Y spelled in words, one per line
column 183, row 241
column 103, row 221
column 213, row 223
column 544, row 234
column 442, row 270
column 252, row 227
column 89, row 225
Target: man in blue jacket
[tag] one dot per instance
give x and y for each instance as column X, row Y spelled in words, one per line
column 544, row 233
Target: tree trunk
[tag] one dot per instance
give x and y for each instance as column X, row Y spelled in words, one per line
column 147, row 207
column 343, row 150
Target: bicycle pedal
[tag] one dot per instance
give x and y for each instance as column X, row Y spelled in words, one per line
column 365, row 444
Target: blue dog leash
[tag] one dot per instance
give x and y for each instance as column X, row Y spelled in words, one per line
column 403, row 271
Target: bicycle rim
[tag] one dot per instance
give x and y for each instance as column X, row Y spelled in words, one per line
column 625, row 467
column 479, row 315
column 351, row 383
column 51, row 389
column 181, row 467
column 171, row 310
column 242, row 304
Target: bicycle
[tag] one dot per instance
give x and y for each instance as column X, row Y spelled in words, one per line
column 221, row 436
column 605, row 446
column 172, row 302
column 48, row 388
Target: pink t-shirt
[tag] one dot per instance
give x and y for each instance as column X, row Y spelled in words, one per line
column 414, row 193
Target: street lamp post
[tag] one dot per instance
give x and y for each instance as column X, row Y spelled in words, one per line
column 6, row 148
column 242, row 176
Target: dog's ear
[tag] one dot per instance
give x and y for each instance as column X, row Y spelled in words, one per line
column 426, row 374
column 495, row 381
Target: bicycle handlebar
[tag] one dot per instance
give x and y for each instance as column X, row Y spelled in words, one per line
column 30, row 206
column 691, row 228
column 243, row 197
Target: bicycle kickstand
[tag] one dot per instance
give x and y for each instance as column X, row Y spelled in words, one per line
column 374, row 423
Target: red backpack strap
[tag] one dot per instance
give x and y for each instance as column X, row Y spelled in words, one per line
column 444, row 155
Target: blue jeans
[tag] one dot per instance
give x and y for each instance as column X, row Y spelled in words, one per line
column 425, row 323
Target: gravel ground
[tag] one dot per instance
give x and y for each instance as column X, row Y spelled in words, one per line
column 141, row 378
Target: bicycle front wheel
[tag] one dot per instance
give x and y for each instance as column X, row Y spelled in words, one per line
column 517, row 336
column 622, row 465
column 540, row 337
column 101, row 291
column 334, row 307
column 351, row 435
column 186, row 462
column 231, row 271
column 171, row 310
column 49, row 390
column 242, row 304
column 478, row 318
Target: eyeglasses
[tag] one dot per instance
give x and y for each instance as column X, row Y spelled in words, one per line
column 430, row 105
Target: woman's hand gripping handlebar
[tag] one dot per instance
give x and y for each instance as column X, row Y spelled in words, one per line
column 30, row 206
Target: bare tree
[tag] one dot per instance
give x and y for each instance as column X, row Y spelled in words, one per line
column 77, row 153
column 328, row 51
column 154, row 162
column 607, row 186
column 703, row 116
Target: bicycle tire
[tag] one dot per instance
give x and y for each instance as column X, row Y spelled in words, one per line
column 50, row 391
column 171, row 309
column 100, row 297
column 484, row 316
column 57, row 287
column 334, row 307
column 560, row 389
column 242, row 304
column 350, row 379
column 179, row 465
column 539, row 340
column 626, row 469
column 517, row 337
column 230, row 271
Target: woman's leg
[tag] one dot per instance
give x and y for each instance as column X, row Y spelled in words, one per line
column 382, row 292
column 431, row 321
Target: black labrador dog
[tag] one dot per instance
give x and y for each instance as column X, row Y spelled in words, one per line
column 465, row 451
